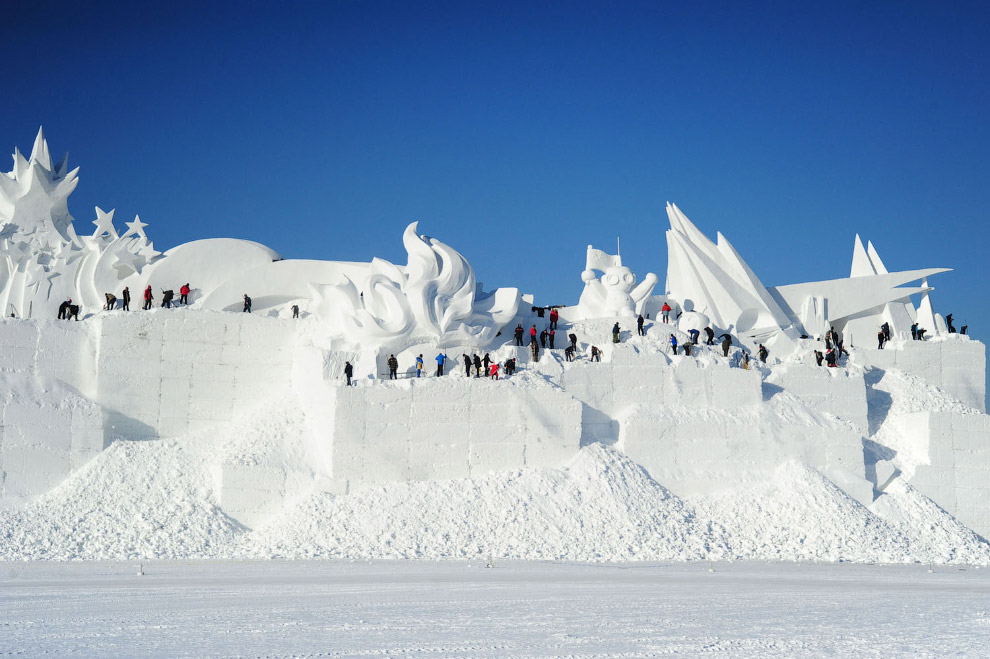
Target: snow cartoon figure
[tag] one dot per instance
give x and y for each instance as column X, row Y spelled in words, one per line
column 615, row 293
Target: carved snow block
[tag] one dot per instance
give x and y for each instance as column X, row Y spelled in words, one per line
column 491, row 457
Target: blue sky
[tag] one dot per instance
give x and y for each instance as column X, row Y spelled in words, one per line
column 521, row 132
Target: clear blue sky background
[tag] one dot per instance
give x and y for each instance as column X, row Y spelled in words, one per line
column 521, row 132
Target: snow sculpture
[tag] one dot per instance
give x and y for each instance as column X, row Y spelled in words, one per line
column 616, row 292
column 43, row 262
column 714, row 280
column 42, row 259
column 435, row 296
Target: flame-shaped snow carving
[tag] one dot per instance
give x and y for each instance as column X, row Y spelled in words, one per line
column 436, row 295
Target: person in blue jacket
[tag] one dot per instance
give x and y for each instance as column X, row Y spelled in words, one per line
column 673, row 343
column 419, row 365
column 441, row 358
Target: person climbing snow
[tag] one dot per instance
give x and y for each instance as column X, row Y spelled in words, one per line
column 726, row 344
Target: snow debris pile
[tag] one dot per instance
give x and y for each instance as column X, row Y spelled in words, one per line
column 153, row 499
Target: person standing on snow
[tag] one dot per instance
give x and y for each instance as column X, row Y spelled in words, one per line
column 441, row 358
column 532, row 334
column 518, row 334
column 393, row 368
column 543, row 339
column 488, row 360
column 184, row 294
column 880, row 339
column 639, row 326
column 763, row 353
column 125, row 299
column 63, row 309
column 348, row 372
column 673, row 343
column 477, row 366
column 552, row 331
column 247, row 304
column 419, row 365
column 710, row 333
column 596, row 354
column 148, row 297
column 554, row 316
column 615, row 333
column 665, row 312
column 467, row 365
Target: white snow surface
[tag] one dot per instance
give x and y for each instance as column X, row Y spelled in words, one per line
column 515, row 609
column 144, row 500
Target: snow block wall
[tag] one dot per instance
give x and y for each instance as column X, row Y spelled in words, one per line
column 954, row 363
column 952, row 452
column 163, row 376
column 452, row 428
column 834, row 390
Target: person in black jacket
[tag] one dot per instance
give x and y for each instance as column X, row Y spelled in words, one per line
column 393, row 368
column 125, row 299
column 519, row 338
column 348, row 372
column 247, row 304
column 477, row 366
column 63, row 309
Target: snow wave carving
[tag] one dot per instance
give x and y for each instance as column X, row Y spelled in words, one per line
column 436, row 295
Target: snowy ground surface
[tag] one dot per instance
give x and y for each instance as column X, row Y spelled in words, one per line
column 462, row 608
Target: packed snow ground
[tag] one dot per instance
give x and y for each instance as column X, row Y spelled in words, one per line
column 462, row 608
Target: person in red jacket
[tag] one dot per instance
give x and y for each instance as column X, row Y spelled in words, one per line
column 493, row 373
column 148, row 296
column 532, row 334
column 184, row 294
column 553, row 319
column 665, row 310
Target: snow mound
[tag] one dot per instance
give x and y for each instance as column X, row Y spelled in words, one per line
column 136, row 500
column 603, row 507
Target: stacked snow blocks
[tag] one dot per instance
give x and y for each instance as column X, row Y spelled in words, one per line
column 48, row 431
column 957, row 476
column 697, row 451
column 832, row 390
column 164, row 376
column 633, row 379
column 954, row 363
column 436, row 429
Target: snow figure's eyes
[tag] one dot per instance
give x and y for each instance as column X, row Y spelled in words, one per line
column 628, row 278
column 611, row 279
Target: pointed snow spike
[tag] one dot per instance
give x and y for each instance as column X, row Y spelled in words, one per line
column 861, row 265
column 40, row 151
column 878, row 265
column 20, row 164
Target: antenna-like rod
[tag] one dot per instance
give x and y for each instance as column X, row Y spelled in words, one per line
column 618, row 252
